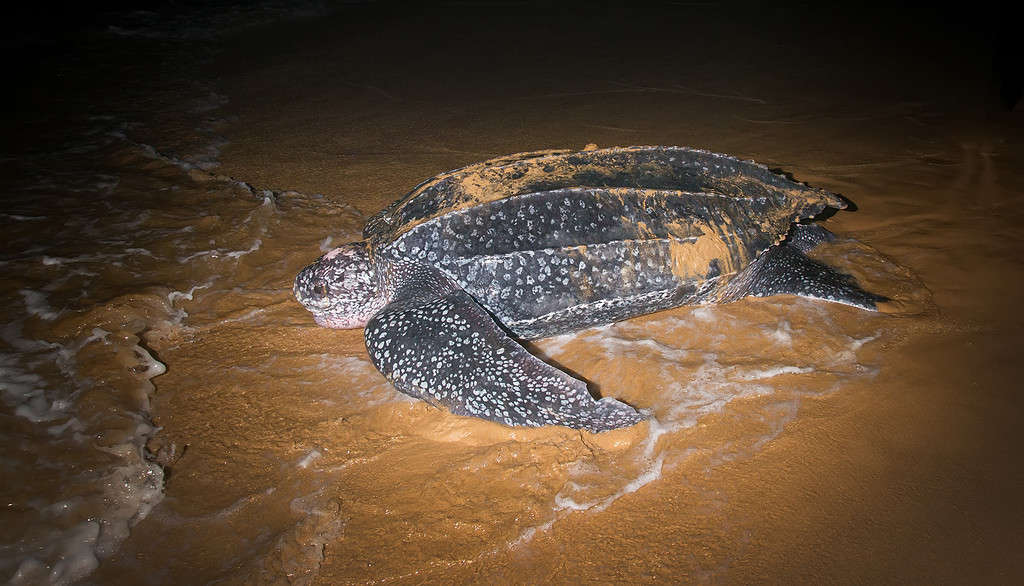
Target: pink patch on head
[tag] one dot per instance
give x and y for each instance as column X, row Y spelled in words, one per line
column 333, row 253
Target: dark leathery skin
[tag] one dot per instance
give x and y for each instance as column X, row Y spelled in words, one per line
column 434, row 342
column 562, row 260
column 673, row 168
column 551, row 242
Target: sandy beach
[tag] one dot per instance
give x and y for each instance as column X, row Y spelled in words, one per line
column 173, row 415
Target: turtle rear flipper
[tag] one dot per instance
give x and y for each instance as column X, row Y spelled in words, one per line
column 784, row 269
column 437, row 344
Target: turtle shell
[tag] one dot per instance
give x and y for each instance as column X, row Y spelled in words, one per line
column 554, row 241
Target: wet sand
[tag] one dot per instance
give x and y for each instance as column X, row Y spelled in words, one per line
column 793, row 440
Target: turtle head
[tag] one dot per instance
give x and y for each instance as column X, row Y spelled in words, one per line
column 342, row 288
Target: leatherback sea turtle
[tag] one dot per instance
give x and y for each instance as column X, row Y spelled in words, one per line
column 544, row 243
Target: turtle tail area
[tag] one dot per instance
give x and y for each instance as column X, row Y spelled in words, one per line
column 785, row 269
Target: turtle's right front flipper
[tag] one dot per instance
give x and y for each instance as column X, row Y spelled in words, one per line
column 437, row 344
column 785, row 269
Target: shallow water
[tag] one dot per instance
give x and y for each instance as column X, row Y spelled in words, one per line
column 172, row 415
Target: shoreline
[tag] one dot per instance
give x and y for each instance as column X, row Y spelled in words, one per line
column 883, row 454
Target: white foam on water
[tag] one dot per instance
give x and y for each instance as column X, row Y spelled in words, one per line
column 782, row 333
column 621, row 348
column 649, row 473
column 243, row 317
column 240, row 504
column 126, row 490
column 308, row 458
column 704, row 314
column 206, row 160
column 35, row 303
column 239, row 253
column 75, row 551
column 168, row 516
column 362, row 385
column 695, row 372
column 760, row 374
column 116, row 495
column 527, row 535
column 21, row 218
column 109, row 258
column 25, row 391
column 113, row 231
column 555, row 344
column 203, row 161
column 847, row 356
column 223, row 252
column 176, row 296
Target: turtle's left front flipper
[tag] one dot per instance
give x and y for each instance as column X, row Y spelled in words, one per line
column 436, row 343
